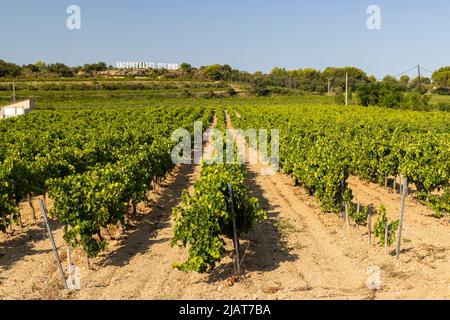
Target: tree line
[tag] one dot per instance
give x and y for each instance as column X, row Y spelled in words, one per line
column 42, row 69
column 388, row 92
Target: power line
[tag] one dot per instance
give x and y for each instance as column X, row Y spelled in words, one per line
column 416, row 67
column 423, row 69
column 401, row 73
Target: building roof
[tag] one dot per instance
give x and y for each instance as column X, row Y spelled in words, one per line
column 17, row 104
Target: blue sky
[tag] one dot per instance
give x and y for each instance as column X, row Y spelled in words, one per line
column 247, row 34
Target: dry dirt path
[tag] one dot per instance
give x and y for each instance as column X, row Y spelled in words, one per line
column 332, row 258
column 424, row 266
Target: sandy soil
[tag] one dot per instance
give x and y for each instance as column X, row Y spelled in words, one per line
column 298, row 253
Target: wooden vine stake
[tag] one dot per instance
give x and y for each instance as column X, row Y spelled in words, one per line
column 369, row 227
column 343, row 205
column 235, row 234
column 386, row 234
column 30, row 202
column 400, row 184
column 347, row 220
column 402, row 211
column 50, row 235
column 20, row 219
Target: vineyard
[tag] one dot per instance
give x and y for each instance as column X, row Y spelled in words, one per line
column 94, row 165
column 322, row 147
column 100, row 170
column 225, row 160
column 219, row 207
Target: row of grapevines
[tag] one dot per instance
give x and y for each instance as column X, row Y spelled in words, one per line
column 93, row 162
column 46, row 145
column 85, row 203
column 205, row 216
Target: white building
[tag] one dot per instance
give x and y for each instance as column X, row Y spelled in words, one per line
column 17, row 108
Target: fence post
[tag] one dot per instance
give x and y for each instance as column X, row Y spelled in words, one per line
column 386, row 234
column 235, row 235
column 50, row 235
column 402, row 211
column 342, row 197
column 347, row 219
column 400, row 184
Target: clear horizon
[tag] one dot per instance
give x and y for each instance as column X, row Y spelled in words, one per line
column 251, row 36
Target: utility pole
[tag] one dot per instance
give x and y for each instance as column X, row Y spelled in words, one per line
column 420, row 83
column 14, row 90
column 346, row 88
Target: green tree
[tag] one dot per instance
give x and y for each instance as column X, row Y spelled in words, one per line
column 368, row 93
column 186, row 68
column 218, row 72
column 60, row 69
column 441, row 77
column 9, row 69
column 390, row 94
column 259, row 87
column 279, row 72
column 41, row 65
column 337, row 75
column 95, row 67
column 310, row 80
column 404, row 82
column 416, row 101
